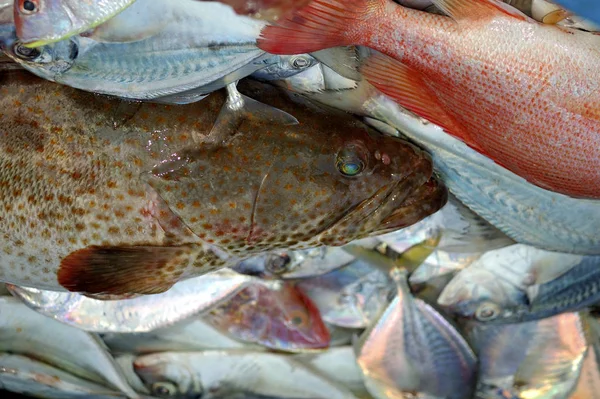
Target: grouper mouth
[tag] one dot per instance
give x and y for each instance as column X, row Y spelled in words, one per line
column 392, row 207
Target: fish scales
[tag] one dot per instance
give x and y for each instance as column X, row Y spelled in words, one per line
column 93, row 186
column 477, row 77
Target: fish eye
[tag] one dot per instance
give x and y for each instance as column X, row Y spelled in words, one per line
column 299, row 318
column 25, row 53
column 349, row 162
column 278, row 263
column 487, row 311
column 164, row 389
column 29, row 7
column 300, row 62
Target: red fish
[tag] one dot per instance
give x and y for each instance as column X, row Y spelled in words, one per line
column 265, row 9
column 282, row 319
column 522, row 93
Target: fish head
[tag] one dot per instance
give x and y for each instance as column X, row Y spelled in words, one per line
column 285, row 66
column 480, row 294
column 39, row 22
column 167, row 376
column 282, row 319
column 327, row 180
column 47, row 61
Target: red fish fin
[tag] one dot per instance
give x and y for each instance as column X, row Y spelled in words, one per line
column 462, row 9
column 407, row 88
column 122, row 270
column 320, row 25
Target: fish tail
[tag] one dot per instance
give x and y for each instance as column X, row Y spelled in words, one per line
column 320, row 25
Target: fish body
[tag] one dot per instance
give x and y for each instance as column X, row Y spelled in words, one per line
column 24, row 375
column 185, row 374
column 501, row 280
column 270, row 10
column 191, row 334
column 281, row 318
column 132, row 194
column 526, row 213
column 45, row 21
column 538, row 359
column 139, row 314
column 576, row 289
column 197, row 48
column 412, row 349
column 27, row 333
column 547, row 133
column 350, row 297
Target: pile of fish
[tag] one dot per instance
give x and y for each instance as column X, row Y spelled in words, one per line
column 300, row 199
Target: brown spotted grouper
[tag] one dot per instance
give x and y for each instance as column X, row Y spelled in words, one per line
column 101, row 196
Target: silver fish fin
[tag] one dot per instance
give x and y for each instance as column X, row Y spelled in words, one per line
column 343, row 60
column 381, row 126
column 238, row 107
column 187, row 97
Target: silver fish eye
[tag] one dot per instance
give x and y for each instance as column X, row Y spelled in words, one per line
column 300, row 62
column 164, row 389
column 487, row 311
column 25, row 53
column 29, row 7
column 278, row 263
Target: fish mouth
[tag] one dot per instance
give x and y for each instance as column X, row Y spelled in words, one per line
column 425, row 201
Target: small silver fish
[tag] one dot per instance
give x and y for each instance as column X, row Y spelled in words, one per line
column 287, row 66
column 45, row 21
column 25, row 332
column 219, row 373
column 24, row 375
column 413, row 350
column 199, row 47
column 351, row 297
column 539, row 359
column 139, row 314
column 500, row 279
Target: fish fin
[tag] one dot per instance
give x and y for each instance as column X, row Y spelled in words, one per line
column 408, row 88
column 474, row 9
column 320, row 25
column 239, row 107
column 343, row 60
column 122, row 270
column 381, row 126
column 124, row 112
column 186, row 97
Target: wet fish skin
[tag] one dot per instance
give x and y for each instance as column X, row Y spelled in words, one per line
column 197, row 48
column 437, row 51
column 124, row 197
column 270, row 10
column 413, row 349
column 576, row 289
column 502, row 279
column 526, row 213
column 286, row 67
column 139, row 314
column 350, row 297
column 281, row 318
column 24, row 375
column 185, row 374
column 45, row 21
column 25, row 332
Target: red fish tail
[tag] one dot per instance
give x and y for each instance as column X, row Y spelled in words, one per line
column 320, row 25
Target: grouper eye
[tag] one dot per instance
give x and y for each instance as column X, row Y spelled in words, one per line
column 350, row 162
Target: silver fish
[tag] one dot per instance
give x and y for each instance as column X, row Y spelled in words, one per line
column 45, row 21
column 339, row 365
column 540, row 359
column 202, row 47
column 287, row 66
column 139, row 314
column 526, row 213
column 23, row 331
column 21, row 374
column 191, row 334
column 353, row 296
column 499, row 281
column 219, row 373
column 412, row 349
column 339, row 336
